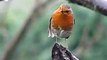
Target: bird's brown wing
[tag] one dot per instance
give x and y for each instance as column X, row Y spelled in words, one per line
column 74, row 21
column 50, row 23
column 49, row 28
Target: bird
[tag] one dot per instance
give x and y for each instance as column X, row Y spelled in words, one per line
column 61, row 22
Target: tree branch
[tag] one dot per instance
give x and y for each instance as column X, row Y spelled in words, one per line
column 61, row 53
column 97, row 5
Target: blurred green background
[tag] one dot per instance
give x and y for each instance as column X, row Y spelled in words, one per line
column 88, row 40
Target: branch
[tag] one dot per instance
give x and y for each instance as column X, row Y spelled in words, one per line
column 97, row 5
column 61, row 53
column 3, row 0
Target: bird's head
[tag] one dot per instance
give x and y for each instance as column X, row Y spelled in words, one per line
column 65, row 9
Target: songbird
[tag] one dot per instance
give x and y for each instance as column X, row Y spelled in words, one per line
column 61, row 22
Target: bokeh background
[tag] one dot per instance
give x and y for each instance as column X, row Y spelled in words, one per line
column 88, row 40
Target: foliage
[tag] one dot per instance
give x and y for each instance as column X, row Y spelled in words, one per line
column 88, row 39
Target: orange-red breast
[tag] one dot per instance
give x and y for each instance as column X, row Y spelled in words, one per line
column 61, row 22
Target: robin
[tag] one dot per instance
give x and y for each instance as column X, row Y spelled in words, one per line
column 61, row 22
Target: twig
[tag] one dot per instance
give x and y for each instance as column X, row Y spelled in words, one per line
column 97, row 5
